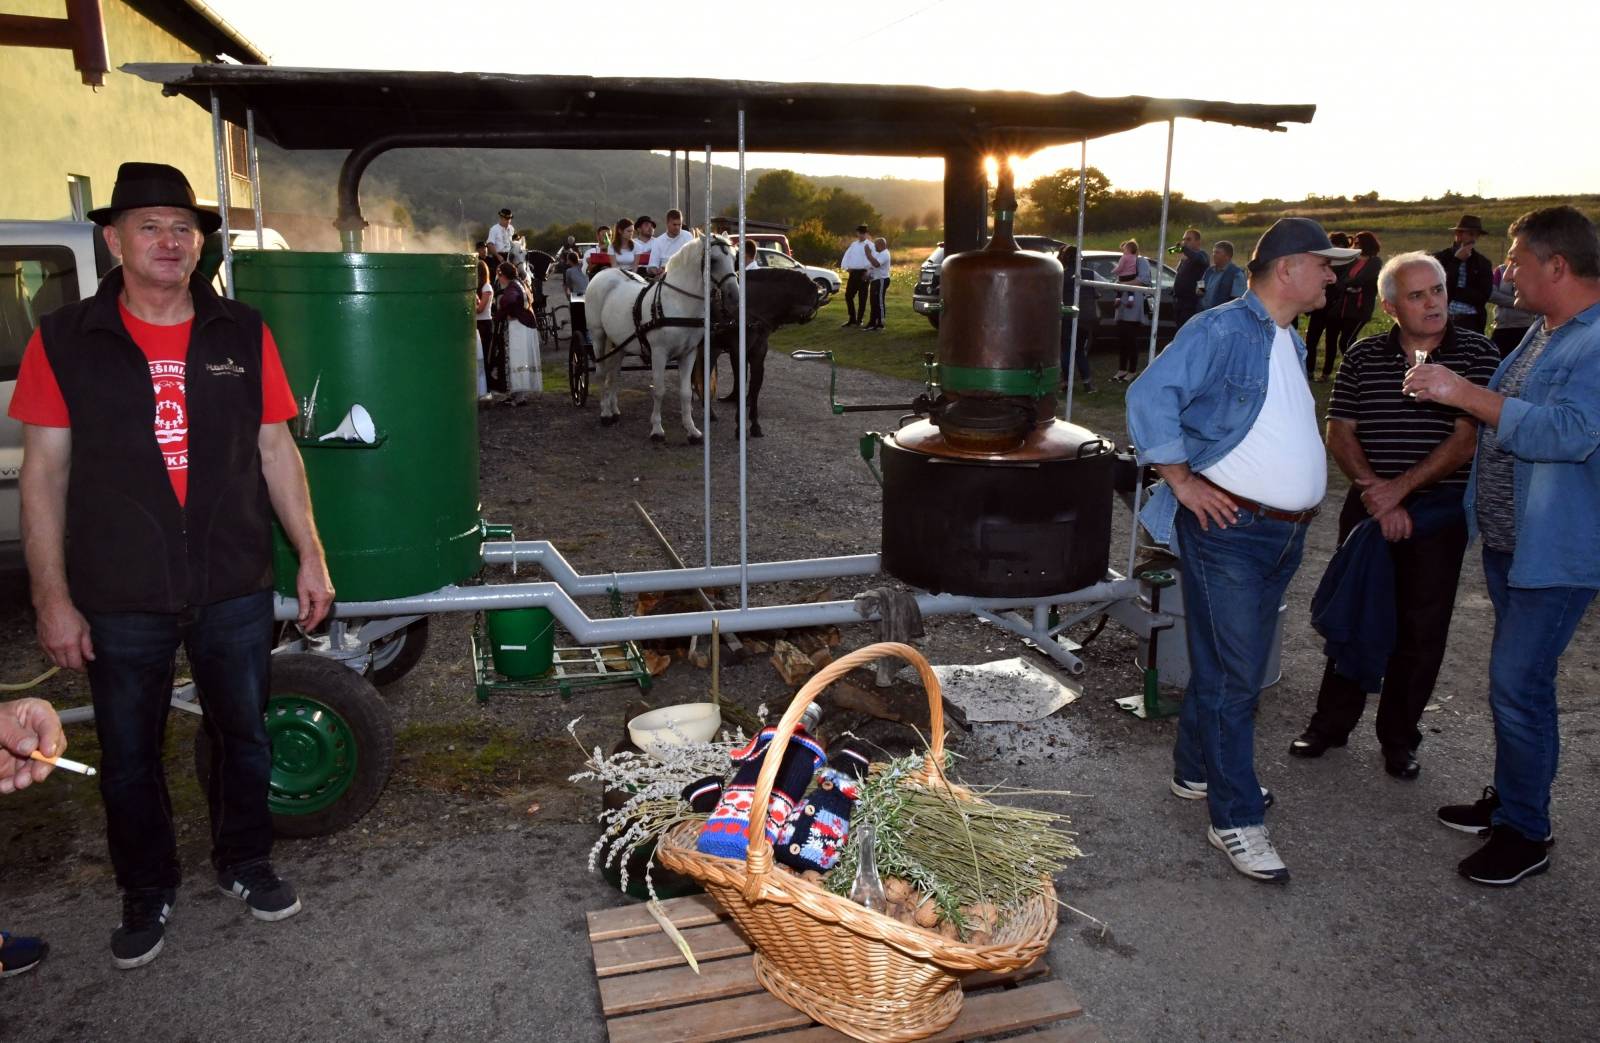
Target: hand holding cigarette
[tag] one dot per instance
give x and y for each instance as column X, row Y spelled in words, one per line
column 30, row 739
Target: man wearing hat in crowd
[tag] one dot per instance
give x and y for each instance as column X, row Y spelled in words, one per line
column 147, row 524
column 500, row 234
column 1226, row 418
column 858, row 259
column 1469, row 277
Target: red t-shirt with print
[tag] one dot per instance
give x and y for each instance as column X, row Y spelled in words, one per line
column 37, row 398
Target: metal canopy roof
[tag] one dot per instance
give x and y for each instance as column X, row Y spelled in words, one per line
column 347, row 108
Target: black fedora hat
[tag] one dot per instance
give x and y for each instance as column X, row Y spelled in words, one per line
column 153, row 184
column 1469, row 223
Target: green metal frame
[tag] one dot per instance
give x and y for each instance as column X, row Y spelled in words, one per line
column 1036, row 382
column 571, row 670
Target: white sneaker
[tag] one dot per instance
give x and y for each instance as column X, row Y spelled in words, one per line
column 1250, row 851
column 1197, row 791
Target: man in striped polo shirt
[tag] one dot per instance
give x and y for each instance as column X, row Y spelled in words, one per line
column 1402, row 457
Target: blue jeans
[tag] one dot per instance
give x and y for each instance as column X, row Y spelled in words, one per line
column 1233, row 583
column 229, row 645
column 1532, row 626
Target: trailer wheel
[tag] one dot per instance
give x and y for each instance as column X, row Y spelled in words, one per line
column 578, row 371
column 396, row 654
column 332, row 746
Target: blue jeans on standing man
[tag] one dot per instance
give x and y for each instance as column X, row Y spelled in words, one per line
column 1233, row 583
column 229, row 646
column 1532, row 626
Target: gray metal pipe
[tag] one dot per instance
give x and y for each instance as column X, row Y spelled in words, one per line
column 741, row 381
column 705, row 364
column 219, row 146
column 544, row 554
column 255, row 176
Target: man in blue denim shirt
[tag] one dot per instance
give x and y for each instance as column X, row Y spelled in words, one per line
column 1226, row 418
column 1535, row 498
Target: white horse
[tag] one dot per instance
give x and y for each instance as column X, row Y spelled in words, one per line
column 626, row 315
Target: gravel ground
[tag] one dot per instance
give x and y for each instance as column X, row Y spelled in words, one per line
column 452, row 912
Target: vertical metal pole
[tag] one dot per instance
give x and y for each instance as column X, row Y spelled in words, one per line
column 687, row 168
column 220, row 147
column 1155, row 326
column 1077, row 276
column 705, row 359
column 672, row 179
column 741, row 381
column 255, row 175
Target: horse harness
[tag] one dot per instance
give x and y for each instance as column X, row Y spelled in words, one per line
column 642, row 327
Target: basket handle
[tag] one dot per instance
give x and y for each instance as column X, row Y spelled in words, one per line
column 758, row 856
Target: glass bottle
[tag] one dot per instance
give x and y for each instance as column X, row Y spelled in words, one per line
column 868, row 887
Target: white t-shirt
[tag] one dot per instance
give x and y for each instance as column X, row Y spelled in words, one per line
column 500, row 235
column 855, row 255
column 622, row 258
column 484, row 313
column 644, row 250
column 662, row 247
column 882, row 271
column 1281, row 462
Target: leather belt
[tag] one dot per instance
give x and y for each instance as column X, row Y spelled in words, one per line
column 1261, row 509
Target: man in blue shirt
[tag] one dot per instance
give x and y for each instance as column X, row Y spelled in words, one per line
column 1224, row 280
column 1226, row 418
column 1534, row 496
column 1186, row 283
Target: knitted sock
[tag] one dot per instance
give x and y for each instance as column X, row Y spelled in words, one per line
column 702, row 796
column 727, row 832
column 817, row 834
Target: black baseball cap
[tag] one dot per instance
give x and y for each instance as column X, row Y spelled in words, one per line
column 862, row 228
column 1296, row 235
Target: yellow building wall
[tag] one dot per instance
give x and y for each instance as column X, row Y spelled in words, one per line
column 51, row 125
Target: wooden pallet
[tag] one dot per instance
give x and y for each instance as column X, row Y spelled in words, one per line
column 649, row 995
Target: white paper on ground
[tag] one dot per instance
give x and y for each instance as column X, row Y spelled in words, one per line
column 1004, row 690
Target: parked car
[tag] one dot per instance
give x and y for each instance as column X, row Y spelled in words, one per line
column 765, row 241
column 826, row 279
column 925, row 296
column 245, row 239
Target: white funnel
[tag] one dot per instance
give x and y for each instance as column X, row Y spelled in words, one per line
column 357, row 426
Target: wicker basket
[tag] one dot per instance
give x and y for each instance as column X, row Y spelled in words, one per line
column 864, row 973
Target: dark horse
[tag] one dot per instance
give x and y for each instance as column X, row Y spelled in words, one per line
column 773, row 297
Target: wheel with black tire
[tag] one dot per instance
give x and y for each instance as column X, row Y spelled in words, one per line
column 332, row 745
column 578, row 371
column 394, row 655
column 824, row 291
column 933, row 319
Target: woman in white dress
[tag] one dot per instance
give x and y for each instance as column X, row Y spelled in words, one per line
column 514, row 308
column 624, row 255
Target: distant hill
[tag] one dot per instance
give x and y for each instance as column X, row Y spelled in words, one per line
column 455, row 193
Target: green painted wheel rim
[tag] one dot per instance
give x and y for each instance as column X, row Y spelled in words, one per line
column 313, row 755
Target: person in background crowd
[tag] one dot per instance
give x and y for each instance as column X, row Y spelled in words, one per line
column 1535, row 488
column 599, row 256
column 750, row 258
column 1186, row 285
column 1224, row 280
column 154, row 346
column 1408, row 464
column 485, row 319
column 514, row 318
column 644, row 233
column 1325, row 321
column 664, row 247
column 1359, row 289
column 1074, row 287
column 26, row 725
column 624, row 254
column 576, row 284
column 501, row 234
column 877, row 282
column 1131, row 310
column 1226, row 418
column 856, row 265
column 1510, row 322
column 1471, row 276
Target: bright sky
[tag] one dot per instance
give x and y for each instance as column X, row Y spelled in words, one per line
column 1412, row 99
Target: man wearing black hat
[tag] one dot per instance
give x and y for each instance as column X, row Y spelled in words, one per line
column 157, row 455
column 1226, row 418
column 858, row 259
column 500, row 235
column 1469, row 277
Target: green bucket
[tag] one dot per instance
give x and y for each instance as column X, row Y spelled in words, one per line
column 522, row 641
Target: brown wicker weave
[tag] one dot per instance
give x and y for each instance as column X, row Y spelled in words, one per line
column 864, row 973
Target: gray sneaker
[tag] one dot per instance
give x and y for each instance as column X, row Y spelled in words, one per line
column 1251, row 852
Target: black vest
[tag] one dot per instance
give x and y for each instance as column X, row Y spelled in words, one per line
column 130, row 546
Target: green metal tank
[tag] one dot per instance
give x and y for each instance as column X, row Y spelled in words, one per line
column 393, row 333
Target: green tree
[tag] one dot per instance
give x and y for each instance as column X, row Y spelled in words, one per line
column 1054, row 197
column 932, row 219
column 840, row 212
column 782, row 196
column 814, row 244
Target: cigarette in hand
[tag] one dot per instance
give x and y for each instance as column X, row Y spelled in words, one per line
column 62, row 762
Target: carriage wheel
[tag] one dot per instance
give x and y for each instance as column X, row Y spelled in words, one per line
column 578, row 371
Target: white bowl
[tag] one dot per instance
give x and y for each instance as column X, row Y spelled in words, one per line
column 657, row 730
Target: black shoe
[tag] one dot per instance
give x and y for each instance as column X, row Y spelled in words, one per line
column 19, row 954
column 1313, row 743
column 1477, row 818
column 1505, row 859
column 137, row 940
column 255, row 884
column 1401, row 763
column 850, row 322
